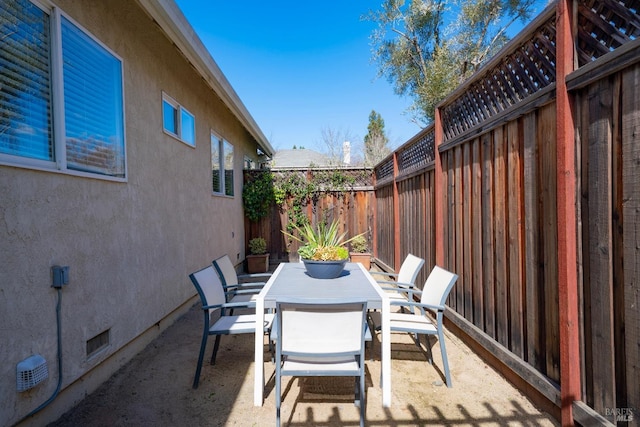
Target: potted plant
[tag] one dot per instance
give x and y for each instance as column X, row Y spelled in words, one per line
column 360, row 251
column 323, row 252
column 258, row 260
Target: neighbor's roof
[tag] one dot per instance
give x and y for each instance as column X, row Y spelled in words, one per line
column 298, row 158
column 171, row 20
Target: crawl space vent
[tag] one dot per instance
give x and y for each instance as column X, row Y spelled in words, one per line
column 31, row 372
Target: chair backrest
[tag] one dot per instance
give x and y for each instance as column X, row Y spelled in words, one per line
column 209, row 287
column 320, row 328
column 409, row 269
column 226, row 270
column 437, row 287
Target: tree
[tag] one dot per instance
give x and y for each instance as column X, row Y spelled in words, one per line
column 426, row 55
column 375, row 141
column 334, row 140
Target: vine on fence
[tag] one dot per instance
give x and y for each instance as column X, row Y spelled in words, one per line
column 258, row 195
column 295, row 190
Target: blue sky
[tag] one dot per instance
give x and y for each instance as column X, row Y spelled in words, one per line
column 300, row 67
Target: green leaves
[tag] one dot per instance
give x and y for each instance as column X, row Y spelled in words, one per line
column 257, row 246
column 297, row 189
column 375, row 141
column 258, row 195
column 321, row 243
column 426, row 48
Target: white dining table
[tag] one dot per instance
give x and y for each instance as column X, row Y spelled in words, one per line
column 291, row 280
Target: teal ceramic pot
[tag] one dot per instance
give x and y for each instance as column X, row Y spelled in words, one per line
column 324, row 269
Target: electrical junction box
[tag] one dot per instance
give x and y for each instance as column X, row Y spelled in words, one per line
column 60, row 276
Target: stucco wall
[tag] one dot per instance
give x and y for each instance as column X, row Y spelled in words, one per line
column 130, row 246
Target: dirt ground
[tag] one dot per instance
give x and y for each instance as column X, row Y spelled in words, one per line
column 154, row 389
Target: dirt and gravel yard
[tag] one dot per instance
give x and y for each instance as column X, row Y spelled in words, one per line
column 154, row 389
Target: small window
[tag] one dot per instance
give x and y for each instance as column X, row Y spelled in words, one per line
column 177, row 121
column 221, row 166
column 170, row 118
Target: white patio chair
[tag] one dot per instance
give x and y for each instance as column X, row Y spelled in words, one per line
column 239, row 288
column 433, row 296
column 405, row 278
column 213, row 299
column 321, row 338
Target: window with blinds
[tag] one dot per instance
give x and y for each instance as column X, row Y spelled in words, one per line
column 221, row 166
column 83, row 130
column 92, row 103
column 227, row 152
column 26, row 127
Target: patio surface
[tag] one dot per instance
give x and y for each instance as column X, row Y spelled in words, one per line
column 154, row 389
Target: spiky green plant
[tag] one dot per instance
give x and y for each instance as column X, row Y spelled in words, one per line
column 324, row 242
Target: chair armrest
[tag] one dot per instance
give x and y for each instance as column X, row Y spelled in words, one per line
column 398, row 284
column 417, row 304
column 385, row 282
column 398, row 290
column 242, row 291
column 382, row 273
column 404, row 288
column 254, row 276
column 251, row 285
column 248, row 304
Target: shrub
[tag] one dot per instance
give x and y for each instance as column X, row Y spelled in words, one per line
column 359, row 244
column 257, row 246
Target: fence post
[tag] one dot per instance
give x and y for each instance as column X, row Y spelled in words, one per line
column 373, row 206
column 396, row 215
column 438, row 192
column 567, row 226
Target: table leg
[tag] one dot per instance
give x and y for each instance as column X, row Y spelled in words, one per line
column 386, row 354
column 258, row 387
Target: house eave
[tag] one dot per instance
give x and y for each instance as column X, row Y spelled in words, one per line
column 172, row 21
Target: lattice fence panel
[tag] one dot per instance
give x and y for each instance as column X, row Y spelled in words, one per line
column 384, row 171
column 418, row 154
column 530, row 68
column 342, row 178
column 604, row 25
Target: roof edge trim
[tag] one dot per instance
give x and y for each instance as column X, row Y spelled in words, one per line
column 172, row 21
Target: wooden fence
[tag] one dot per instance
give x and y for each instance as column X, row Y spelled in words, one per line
column 497, row 176
column 528, row 187
column 350, row 203
column 608, row 146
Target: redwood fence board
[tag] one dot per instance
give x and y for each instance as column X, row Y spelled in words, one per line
column 475, row 212
column 457, row 243
column 631, row 244
column 582, row 125
column 500, row 237
column 466, row 227
column 548, row 237
column 533, row 294
column 488, row 243
column 515, row 223
column 600, row 248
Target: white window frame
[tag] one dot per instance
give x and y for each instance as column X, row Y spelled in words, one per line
column 181, row 133
column 58, row 142
column 219, row 143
